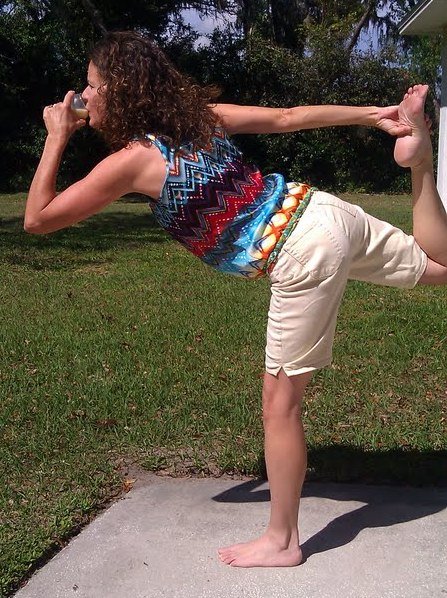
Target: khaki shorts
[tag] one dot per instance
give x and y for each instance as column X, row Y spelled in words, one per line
column 332, row 243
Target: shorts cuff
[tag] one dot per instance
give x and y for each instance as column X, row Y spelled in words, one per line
column 422, row 269
column 290, row 370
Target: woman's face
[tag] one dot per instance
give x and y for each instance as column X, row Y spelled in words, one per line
column 92, row 99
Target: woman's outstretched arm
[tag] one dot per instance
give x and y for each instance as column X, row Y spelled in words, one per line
column 257, row 119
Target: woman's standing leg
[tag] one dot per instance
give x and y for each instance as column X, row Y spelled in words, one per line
column 307, row 286
column 415, row 151
column 286, row 460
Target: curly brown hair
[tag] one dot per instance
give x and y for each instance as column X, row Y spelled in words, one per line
column 144, row 93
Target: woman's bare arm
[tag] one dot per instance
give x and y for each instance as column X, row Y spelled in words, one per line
column 47, row 211
column 258, row 119
column 118, row 174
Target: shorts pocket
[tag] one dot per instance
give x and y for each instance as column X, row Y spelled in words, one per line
column 326, row 199
column 319, row 249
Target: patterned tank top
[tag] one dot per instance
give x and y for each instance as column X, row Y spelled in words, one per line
column 223, row 210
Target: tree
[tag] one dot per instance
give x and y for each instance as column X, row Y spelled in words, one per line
column 282, row 53
column 43, row 49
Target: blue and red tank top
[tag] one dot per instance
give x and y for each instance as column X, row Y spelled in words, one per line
column 223, row 210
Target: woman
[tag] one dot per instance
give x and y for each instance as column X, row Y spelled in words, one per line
column 172, row 145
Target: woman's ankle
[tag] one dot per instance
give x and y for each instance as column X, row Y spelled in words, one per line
column 425, row 165
column 284, row 537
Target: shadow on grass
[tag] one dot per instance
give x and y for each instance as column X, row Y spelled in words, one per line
column 104, row 232
column 344, row 463
column 388, row 504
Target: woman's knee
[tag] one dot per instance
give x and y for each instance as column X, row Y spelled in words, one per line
column 435, row 274
column 282, row 395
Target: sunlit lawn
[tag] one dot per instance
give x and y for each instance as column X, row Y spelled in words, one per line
column 115, row 342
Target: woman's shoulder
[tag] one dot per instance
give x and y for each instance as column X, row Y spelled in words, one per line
column 140, row 147
column 139, row 155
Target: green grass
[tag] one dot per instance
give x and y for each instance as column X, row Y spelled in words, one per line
column 117, row 344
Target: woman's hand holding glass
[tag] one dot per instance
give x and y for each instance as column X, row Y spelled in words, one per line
column 66, row 117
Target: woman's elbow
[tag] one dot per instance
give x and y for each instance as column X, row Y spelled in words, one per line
column 32, row 227
column 284, row 119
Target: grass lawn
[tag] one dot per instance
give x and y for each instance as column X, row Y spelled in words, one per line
column 117, row 345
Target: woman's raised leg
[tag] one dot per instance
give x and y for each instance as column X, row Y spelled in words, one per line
column 435, row 274
column 415, row 151
column 286, row 460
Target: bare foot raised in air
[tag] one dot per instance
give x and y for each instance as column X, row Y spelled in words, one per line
column 414, row 150
column 263, row 552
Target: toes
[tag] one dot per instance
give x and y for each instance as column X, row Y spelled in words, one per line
column 228, row 559
column 421, row 90
column 230, row 556
column 226, row 555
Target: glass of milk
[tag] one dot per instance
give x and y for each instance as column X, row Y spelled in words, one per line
column 78, row 106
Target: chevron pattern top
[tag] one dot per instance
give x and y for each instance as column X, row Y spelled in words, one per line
column 221, row 208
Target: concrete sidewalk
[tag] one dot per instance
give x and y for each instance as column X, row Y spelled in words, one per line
column 160, row 540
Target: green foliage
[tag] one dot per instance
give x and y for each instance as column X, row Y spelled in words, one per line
column 424, row 59
column 43, row 54
column 336, row 158
column 271, row 56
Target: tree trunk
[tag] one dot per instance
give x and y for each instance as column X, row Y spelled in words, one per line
column 286, row 17
column 95, row 15
column 360, row 26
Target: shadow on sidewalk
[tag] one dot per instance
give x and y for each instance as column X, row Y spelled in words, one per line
column 384, row 505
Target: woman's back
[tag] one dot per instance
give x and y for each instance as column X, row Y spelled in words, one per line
column 220, row 207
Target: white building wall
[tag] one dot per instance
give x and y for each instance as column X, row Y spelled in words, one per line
column 442, row 148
